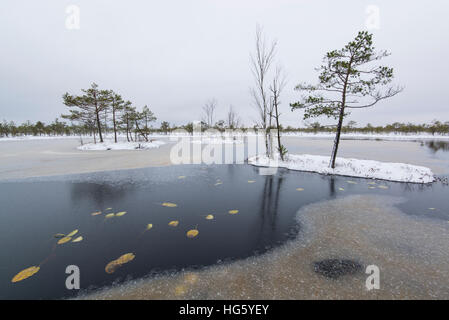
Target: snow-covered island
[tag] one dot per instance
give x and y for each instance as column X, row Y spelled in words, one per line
column 110, row 145
column 400, row 172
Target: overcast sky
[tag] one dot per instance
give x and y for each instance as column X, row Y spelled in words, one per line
column 174, row 55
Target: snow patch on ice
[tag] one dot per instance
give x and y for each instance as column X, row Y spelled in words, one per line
column 400, row 172
column 121, row 146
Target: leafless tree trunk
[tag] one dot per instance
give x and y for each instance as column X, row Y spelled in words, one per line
column 233, row 120
column 260, row 66
column 209, row 112
column 279, row 82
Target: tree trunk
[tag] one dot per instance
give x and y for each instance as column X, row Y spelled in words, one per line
column 277, row 126
column 97, row 113
column 141, row 132
column 337, row 138
column 127, row 129
column 267, row 148
column 340, row 119
column 115, row 126
column 99, row 127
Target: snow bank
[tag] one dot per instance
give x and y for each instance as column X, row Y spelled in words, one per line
column 28, row 138
column 121, row 145
column 401, row 172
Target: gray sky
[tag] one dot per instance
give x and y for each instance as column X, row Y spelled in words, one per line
column 174, row 55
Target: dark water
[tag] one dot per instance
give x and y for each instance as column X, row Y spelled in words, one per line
column 33, row 210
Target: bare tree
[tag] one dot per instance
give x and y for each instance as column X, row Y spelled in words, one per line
column 260, row 66
column 233, row 120
column 209, row 112
column 276, row 87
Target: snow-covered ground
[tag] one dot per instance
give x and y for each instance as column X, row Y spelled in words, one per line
column 28, row 138
column 110, row 145
column 350, row 167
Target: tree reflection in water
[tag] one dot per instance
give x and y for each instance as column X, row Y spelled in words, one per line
column 269, row 205
column 437, row 145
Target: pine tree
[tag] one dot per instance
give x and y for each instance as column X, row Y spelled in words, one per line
column 88, row 106
column 347, row 81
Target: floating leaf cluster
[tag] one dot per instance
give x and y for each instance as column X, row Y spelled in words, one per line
column 68, row 237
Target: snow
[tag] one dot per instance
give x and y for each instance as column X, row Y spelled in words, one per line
column 121, row 145
column 28, row 138
column 400, row 172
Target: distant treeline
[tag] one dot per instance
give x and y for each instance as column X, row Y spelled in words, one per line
column 59, row 128
column 435, row 127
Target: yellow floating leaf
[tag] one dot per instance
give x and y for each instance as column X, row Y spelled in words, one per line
column 351, row 182
column 371, row 187
column 119, row 214
column 169, row 204
column 432, row 209
column 299, row 189
column 22, row 275
column 108, row 209
column 173, row 223
column 192, row 233
column 71, row 234
column 218, row 183
column 96, row 213
column 127, row 257
column 149, row 226
column 371, row 182
column 181, row 177
column 59, row 235
column 251, row 181
column 233, row 211
column 64, row 240
column 109, row 215
column 113, row 265
column 382, row 187
column 210, row 217
column 341, row 189
column 80, row 238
